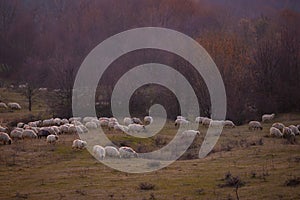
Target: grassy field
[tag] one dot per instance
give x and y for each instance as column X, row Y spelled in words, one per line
column 33, row 169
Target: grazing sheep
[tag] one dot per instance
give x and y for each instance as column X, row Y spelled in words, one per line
column 91, row 125
column 112, row 124
column 14, row 106
column 206, row 121
column 74, row 119
column 97, row 122
column 104, row 122
column 99, row 152
column 29, row 134
column 3, row 105
column 57, row 121
column 64, row 121
column 190, row 133
column 83, row 128
column 52, row 139
column 20, row 125
column 112, row 152
column 287, row 132
column 182, row 122
column 88, row 119
column 180, row 117
column 229, row 124
column 136, row 128
column 254, row 125
column 275, row 132
column 4, row 138
column 16, row 134
column 199, row 120
column 48, row 122
column 43, row 133
column 64, row 128
column 76, row 123
column 137, row 120
column 3, row 129
column 35, row 123
column 127, row 152
column 127, row 121
column 278, row 125
column 119, row 127
column 268, row 117
column 148, row 120
column 79, row 144
column 294, row 129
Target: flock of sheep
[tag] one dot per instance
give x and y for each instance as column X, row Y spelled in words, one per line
column 52, row 128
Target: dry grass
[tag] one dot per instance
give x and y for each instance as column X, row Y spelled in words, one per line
column 35, row 170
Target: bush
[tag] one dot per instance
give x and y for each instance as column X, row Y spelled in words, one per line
column 146, row 186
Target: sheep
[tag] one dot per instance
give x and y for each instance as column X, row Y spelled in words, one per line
column 91, row 125
column 104, row 122
column 57, row 121
column 83, row 128
column 278, row 125
column 216, row 123
column 275, row 132
column 88, row 119
column 14, row 106
column 52, row 139
column 74, row 119
column 199, row 120
column 112, row 152
column 287, row 132
column 43, row 133
column 4, row 138
column 64, row 128
column 136, row 128
column 3, row 129
column 20, row 125
column 43, row 89
column 76, row 123
column 180, row 117
column 64, row 121
column 183, row 122
column 99, row 152
column 294, row 129
column 119, row 127
column 253, row 125
column 268, row 117
column 3, row 105
column 16, row 134
column 29, row 134
column 127, row 121
column 36, row 123
column 229, row 124
column 190, row 133
column 148, row 120
column 137, row 120
column 112, row 124
column 206, row 121
column 97, row 122
column 127, row 152
column 79, row 144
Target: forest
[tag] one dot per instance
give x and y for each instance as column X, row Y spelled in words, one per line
column 255, row 44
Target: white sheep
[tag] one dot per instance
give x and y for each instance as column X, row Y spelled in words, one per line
column 199, row 120
column 104, row 122
column 88, row 119
column 16, row 134
column 275, row 132
column 136, row 128
column 190, row 133
column 287, row 132
column 4, row 138
column 83, row 128
column 57, row 121
column 119, row 127
column 111, row 124
column 29, row 134
column 14, row 106
column 229, row 124
column 148, row 120
column 253, row 125
column 48, row 122
column 3, row 105
column 294, row 129
column 278, row 125
column 206, row 121
column 99, row 152
column 64, row 121
column 79, row 144
column 180, row 117
column 74, row 119
column 91, row 125
column 216, row 123
column 182, row 122
column 127, row 121
column 64, row 128
column 127, row 152
column 112, row 152
column 52, row 139
column 3, row 129
column 20, row 125
column 267, row 117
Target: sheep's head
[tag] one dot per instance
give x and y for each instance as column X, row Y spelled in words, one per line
column 9, row 141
